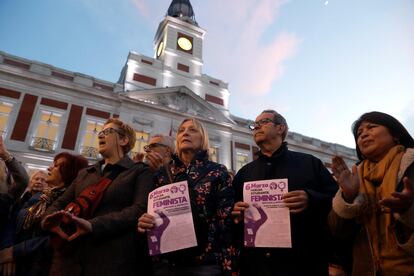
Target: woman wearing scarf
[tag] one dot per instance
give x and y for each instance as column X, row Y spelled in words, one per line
column 31, row 250
column 374, row 205
column 96, row 216
column 212, row 198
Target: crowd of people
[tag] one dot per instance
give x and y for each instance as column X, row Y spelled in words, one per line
column 92, row 219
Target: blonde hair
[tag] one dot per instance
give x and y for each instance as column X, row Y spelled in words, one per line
column 125, row 131
column 33, row 175
column 201, row 129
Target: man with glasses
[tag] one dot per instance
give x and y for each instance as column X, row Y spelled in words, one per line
column 159, row 151
column 311, row 189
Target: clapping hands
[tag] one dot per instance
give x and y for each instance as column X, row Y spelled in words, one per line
column 347, row 180
column 399, row 202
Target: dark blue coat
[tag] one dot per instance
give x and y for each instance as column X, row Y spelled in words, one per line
column 308, row 255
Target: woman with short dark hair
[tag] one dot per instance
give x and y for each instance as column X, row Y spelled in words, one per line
column 374, row 206
column 30, row 253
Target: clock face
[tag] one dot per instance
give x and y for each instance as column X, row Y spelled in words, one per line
column 184, row 43
column 160, row 48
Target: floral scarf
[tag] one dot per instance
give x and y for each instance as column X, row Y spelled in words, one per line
column 36, row 212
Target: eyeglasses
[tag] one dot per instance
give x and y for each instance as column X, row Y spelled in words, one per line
column 109, row 130
column 260, row 123
column 150, row 147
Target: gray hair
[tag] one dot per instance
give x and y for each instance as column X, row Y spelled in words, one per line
column 166, row 140
column 278, row 120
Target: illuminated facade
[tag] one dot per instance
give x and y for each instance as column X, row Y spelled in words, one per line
column 45, row 110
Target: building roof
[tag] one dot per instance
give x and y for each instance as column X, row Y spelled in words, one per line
column 183, row 10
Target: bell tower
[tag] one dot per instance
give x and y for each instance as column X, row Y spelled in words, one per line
column 178, row 42
column 177, row 60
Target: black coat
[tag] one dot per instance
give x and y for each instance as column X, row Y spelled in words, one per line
column 309, row 254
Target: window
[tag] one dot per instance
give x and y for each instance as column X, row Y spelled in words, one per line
column 45, row 138
column 213, row 154
column 241, row 160
column 142, row 140
column 183, row 67
column 90, row 143
column 5, row 110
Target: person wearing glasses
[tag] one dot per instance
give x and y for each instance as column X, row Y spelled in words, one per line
column 95, row 218
column 311, row 189
column 159, row 151
column 212, row 199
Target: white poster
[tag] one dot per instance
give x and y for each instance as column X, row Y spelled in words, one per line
column 174, row 227
column 267, row 220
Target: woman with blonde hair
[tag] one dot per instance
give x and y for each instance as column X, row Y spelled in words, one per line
column 37, row 181
column 212, row 198
column 374, row 206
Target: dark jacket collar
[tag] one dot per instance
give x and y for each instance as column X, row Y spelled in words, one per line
column 125, row 162
column 279, row 152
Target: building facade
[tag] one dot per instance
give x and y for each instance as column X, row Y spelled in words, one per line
column 45, row 110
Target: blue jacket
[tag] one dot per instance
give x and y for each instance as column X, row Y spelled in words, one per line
column 308, row 255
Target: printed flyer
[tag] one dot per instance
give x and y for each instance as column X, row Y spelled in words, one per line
column 267, row 220
column 174, row 227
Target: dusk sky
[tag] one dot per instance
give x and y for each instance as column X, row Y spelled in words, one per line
column 319, row 63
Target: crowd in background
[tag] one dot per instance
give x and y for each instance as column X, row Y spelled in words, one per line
column 81, row 219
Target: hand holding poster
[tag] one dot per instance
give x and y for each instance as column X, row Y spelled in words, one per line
column 267, row 220
column 174, row 227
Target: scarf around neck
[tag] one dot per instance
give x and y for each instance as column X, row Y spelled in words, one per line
column 36, row 212
column 378, row 181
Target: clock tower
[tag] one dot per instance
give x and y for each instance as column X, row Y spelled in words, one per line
column 177, row 60
column 179, row 40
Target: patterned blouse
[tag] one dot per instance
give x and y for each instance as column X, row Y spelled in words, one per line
column 212, row 199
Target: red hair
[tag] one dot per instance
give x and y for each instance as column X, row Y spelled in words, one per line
column 71, row 166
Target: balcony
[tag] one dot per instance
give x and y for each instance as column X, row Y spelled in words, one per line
column 43, row 144
column 90, row 152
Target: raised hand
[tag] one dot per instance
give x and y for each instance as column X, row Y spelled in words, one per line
column 238, row 211
column 4, row 154
column 296, row 201
column 145, row 222
column 154, row 161
column 399, row 202
column 347, row 180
